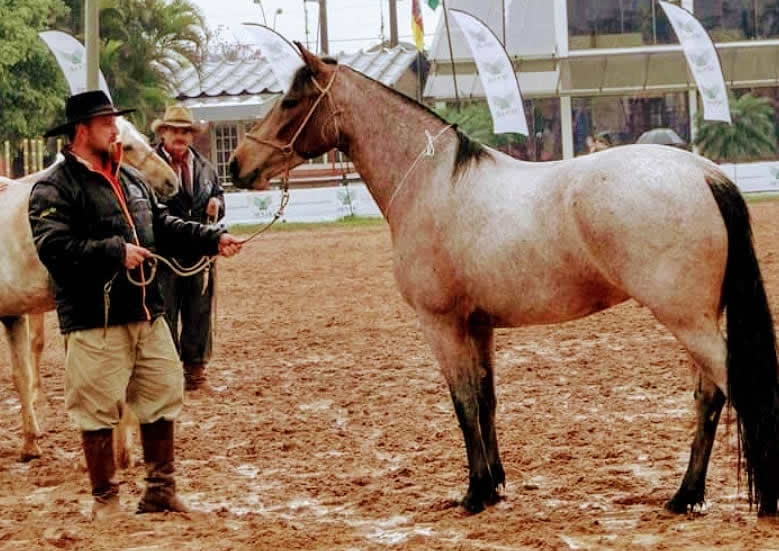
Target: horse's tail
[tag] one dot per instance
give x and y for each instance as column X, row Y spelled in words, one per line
column 752, row 360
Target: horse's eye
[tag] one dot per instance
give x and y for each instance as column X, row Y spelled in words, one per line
column 127, row 147
column 289, row 103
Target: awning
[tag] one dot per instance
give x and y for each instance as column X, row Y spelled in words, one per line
column 231, row 108
column 617, row 71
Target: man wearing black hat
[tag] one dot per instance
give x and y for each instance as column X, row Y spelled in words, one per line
column 95, row 225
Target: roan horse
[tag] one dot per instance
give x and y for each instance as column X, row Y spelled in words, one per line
column 481, row 240
column 25, row 290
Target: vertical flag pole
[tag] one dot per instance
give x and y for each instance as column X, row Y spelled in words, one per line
column 451, row 54
column 503, row 11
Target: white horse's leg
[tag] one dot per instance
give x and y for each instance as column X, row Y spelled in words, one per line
column 36, row 330
column 123, row 437
column 460, row 357
column 16, row 328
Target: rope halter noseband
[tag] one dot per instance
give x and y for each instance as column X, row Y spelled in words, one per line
column 288, row 149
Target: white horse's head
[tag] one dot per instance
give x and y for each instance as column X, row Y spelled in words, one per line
column 139, row 154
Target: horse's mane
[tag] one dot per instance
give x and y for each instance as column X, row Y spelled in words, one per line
column 469, row 151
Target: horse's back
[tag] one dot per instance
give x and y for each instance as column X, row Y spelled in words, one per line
column 24, row 281
column 533, row 243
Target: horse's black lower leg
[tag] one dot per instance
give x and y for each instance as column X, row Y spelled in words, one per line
column 481, row 486
column 459, row 354
column 483, row 337
column 709, row 401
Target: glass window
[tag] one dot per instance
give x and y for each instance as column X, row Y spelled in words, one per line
column 543, row 124
column 727, row 20
column 226, row 138
column 621, row 120
column 768, row 18
column 617, row 24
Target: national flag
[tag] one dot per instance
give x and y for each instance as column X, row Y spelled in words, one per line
column 417, row 25
column 433, row 3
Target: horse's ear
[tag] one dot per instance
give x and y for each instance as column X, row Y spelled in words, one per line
column 311, row 60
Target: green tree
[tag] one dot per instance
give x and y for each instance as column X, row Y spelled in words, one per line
column 475, row 120
column 752, row 134
column 144, row 43
column 32, row 88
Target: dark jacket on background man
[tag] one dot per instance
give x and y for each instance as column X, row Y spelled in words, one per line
column 205, row 183
column 80, row 230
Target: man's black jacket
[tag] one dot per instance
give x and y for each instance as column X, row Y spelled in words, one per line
column 80, row 231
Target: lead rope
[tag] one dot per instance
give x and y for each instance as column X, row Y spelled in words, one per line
column 188, row 271
column 428, row 151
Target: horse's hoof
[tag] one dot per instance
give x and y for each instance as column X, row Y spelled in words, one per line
column 479, row 496
column 498, row 475
column 684, row 502
column 472, row 505
column 26, row 457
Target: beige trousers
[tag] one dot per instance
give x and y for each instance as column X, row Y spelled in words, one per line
column 136, row 362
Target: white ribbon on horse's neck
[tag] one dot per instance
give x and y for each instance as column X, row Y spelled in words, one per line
column 428, row 151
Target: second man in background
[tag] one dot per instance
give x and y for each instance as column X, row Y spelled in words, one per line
column 189, row 300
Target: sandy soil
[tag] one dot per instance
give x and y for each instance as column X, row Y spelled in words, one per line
column 334, row 428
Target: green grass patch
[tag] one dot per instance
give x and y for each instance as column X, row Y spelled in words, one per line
column 347, row 222
column 761, row 196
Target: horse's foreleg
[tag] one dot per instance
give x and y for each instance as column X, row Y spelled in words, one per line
column 457, row 354
column 35, row 328
column 708, row 401
column 482, row 333
column 16, row 327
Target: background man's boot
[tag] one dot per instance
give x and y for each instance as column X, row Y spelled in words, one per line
column 160, row 494
column 195, row 378
column 99, row 455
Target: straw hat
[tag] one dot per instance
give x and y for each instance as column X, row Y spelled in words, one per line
column 176, row 116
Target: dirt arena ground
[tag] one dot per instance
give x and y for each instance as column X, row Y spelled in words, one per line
column 334, row 429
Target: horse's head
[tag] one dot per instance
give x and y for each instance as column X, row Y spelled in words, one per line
column 300, row 126
column 139, row 154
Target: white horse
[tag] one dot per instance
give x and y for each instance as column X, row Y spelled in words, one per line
column 25, row 290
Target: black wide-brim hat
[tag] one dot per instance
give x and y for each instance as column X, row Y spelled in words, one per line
column 85, row 106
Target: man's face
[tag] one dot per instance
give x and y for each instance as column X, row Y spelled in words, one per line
column 102, row 133
column 177, row 140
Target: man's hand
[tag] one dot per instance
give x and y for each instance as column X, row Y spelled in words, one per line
column 135, row 255
column 3, row 185
column 212, row 208
column 229, row 244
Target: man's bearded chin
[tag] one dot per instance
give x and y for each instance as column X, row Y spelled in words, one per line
column 113, row 154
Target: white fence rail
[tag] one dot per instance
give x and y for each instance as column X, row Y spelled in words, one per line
column 333, row 203
column 305, row 205
column 749, row 177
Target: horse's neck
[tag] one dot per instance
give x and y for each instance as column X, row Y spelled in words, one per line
column 386, row 139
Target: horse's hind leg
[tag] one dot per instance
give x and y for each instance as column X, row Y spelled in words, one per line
column 16, row 328
column 708, row 401
column 458, row 353
column 704, row 342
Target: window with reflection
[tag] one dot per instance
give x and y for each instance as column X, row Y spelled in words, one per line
column 610, row 121
column 617, row 24
column 727, row 20
column 544, row 142
column 768, row 18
